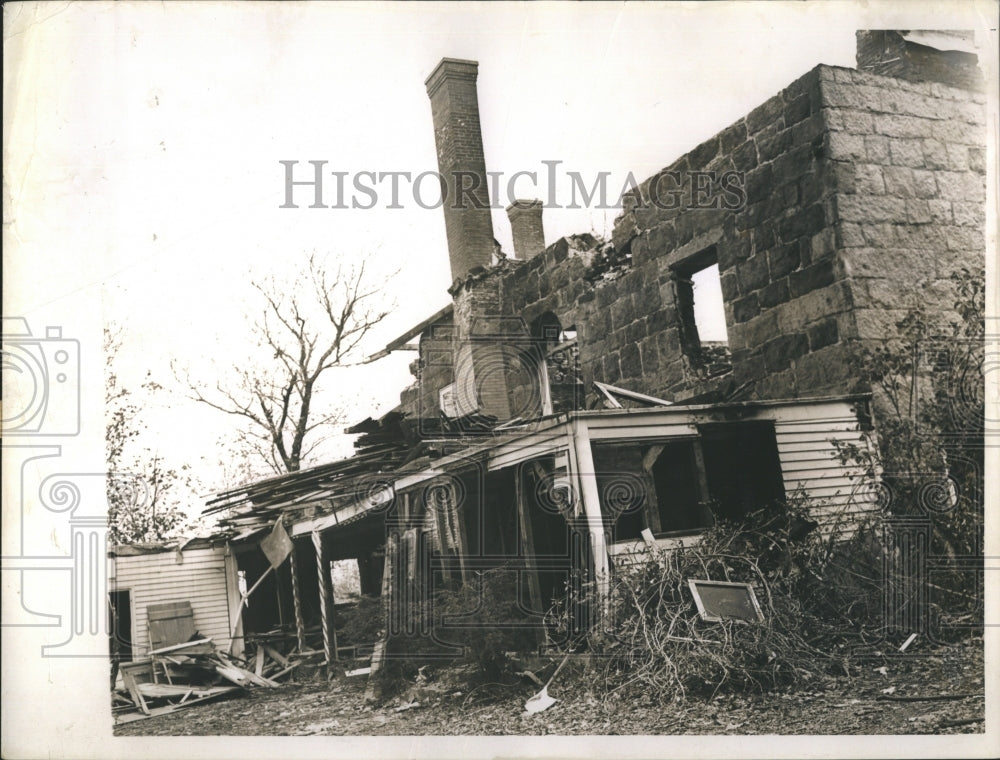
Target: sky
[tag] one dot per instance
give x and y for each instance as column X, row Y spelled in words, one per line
column 144, row 141
column 143, row 189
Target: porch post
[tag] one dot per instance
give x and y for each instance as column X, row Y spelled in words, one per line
column 592, row 510
column 300, row 628
column 325, row 608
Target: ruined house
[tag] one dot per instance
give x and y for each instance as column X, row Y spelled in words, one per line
column 565, row 411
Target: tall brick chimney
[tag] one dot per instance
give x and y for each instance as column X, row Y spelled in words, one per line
column 526, row 225
column 451, row 88
column 948, row 57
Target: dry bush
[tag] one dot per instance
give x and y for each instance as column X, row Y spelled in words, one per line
column 817, row 595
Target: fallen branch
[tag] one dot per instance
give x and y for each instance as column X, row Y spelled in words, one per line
column 964, row 722
column 928, row 698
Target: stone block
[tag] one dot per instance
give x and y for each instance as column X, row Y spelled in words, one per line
column 668, row 344
column 759, row 184
column 844, row 146
column 881, row 235
column 660, row 320
column 733, row 249
column 732, row 136
column 753, row 273
column 636, row 331
column 631, row 362
column 760, row 329
column 745, row 157
column 780, row 351
column 968, row 214
column 899, row 181
column 920, row 237
column 769, row 112
column 612, row 371
column 746, row 308
column 799, row 108
column 777, row 386
column 821, row 245
column 773, row 294
column 647, row 298
column 961, row 186
column 762, row 238
column 783, row 259
column 907, row 152
column 964, row 238
column 894, row 264
column 850, row 235
column 650, row 356
column 805, row 222
column 897, row 125
column 868, row 179
column 977, row 159
column 924, row 184
column 823, row 334
column 701, row 156
column 771, row 144
column 747, row 368
column 877, row 324
column 940, row 210
column 607, row 293
column 918, row 212
column 730, row 286
column 823, row 370
column 794, row 163
column 811, row 278
column 935, row 154
column 870, row 208
column 849, row 120
column 877, row 149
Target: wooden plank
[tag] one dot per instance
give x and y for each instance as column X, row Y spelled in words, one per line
column 526, row 537
column 184, row 645
column 258, row 667
column 287, row 670
column 133, row 689
column 275, row 655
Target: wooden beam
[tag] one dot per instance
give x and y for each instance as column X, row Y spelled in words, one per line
column 526, row 536
column 591, row 498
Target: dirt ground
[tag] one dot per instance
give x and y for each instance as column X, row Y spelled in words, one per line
column 949, row 681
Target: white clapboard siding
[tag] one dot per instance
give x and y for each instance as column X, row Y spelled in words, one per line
column 203, row 579
column 836, row 492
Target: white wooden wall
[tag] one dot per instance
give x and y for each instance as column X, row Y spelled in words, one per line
column 206, row 578
column 838, row 494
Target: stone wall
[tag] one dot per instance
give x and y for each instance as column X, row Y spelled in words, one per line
column 910, row 165
column 827, row 209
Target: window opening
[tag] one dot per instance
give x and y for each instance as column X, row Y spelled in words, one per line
column 704, row 339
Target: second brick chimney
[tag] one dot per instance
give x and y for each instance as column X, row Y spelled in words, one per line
column 451, row 88
column 526, row 226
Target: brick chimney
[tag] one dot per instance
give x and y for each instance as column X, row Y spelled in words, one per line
column 948, row 57
column 526, row 225
column 451, row 88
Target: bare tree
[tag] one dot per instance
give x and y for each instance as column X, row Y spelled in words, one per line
column 139, row 483
column 307, row 329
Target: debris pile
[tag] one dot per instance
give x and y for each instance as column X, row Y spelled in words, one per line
column 181, row 675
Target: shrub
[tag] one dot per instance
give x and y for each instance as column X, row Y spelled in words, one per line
column 816, row 592
column 491, row 619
